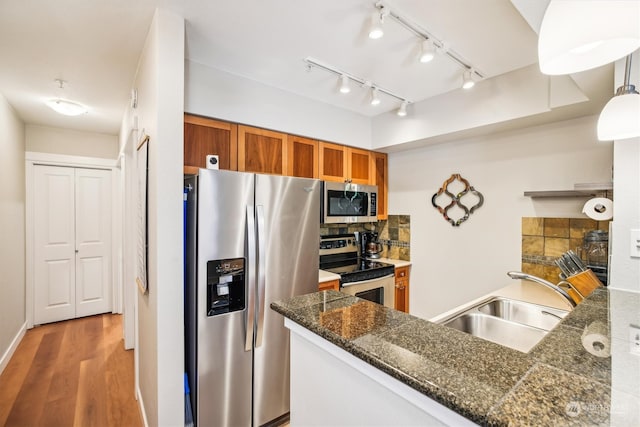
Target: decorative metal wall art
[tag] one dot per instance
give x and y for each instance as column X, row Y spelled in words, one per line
column 455, row 200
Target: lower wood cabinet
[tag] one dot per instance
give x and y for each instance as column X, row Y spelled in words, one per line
column 402, row 289
column 331, row 285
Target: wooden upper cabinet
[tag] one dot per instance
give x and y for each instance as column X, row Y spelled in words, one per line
column 341, row 163
column 333, row 162
column 380, row 172
column 262, row 151
column 359, row 166
column 203, row 136
column 303, row 157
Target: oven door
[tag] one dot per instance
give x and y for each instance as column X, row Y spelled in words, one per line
column 380, row 290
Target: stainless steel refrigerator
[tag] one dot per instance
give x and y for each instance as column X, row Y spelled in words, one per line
column 250, row 239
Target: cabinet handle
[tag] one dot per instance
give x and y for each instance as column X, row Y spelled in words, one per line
column 403, row 273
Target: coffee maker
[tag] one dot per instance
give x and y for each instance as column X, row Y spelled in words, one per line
column 369, row 245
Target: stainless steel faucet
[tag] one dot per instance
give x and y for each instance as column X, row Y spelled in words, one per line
column 555, row 288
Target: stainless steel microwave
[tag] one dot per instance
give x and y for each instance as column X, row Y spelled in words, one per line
column 348, row 203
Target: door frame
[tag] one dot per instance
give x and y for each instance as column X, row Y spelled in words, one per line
column 33, row 159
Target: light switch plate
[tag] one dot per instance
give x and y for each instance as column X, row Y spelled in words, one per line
column 635, row 243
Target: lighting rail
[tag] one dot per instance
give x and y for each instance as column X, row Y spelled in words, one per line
column 312, row 62
column 386, row 10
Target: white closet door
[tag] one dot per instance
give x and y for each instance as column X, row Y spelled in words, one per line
column 54, row 250
column 72, row 243
column 93, row 241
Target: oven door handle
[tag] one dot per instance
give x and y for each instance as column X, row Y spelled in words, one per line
column 361, row 282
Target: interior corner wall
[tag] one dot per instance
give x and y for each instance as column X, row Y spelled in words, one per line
column 214, row 93
column 12, row 228
column 44, row 139
column 453, row 265
column 159, row 351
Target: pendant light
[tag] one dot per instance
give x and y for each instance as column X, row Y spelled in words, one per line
column 620, row 118
column 577, row 35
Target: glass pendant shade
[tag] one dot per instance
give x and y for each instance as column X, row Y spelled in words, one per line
column 578, row 35
column 66, row 107
column 620, row 118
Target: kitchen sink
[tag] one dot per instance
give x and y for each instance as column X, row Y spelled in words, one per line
column 512, row 323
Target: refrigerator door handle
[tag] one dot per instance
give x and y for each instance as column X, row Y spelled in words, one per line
column 261, row 272
column 251, row 287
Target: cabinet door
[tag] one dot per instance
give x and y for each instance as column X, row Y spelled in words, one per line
column 402, row 289
column 380, row 175
column 303, row 157
column 333, row 162
column 203, row 136
column 262, row 151
column 358, row 166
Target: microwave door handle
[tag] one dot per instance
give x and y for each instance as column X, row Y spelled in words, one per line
column 251, row 280
column 261, row 245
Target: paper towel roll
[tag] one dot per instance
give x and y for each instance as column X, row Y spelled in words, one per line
column 595, row 339
column 599, row 208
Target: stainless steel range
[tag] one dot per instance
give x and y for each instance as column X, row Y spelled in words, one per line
column 359, row 276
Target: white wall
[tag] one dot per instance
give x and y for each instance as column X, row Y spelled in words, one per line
column 452, row 265
column 625, row 270
column 45, row 139
column 214, row 93
column 12, row 229
column 159, row 352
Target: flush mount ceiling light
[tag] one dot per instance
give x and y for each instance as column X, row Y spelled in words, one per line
column 467, row 80
column 65, row 106
column 376, row 29
column 430, row 43
column 427, row 51
column 345, row 78
column 344, row 84
column 375, row 99
column 577, row 35
column 620, row 118
column 402, row 110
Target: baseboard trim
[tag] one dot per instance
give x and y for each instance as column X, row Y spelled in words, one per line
column 143, row 413
column 4, row 361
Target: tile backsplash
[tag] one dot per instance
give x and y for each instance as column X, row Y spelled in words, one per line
column 394, row 234
column 546, row 239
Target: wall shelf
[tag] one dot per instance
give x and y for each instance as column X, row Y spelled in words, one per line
column 587, row 190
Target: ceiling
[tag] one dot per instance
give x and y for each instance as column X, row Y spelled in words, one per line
column 95, row 46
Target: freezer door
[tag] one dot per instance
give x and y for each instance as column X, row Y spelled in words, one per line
column 224, row 367
column 288, row 239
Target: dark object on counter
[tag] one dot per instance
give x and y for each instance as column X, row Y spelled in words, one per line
column 595, row 252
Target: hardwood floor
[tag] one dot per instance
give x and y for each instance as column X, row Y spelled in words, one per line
column 72, row 373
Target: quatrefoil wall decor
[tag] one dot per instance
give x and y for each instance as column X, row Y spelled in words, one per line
column 455, row 200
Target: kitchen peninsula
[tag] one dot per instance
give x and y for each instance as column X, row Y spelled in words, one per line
column 356, row 362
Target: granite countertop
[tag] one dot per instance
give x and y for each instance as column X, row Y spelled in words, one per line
column 557, row 383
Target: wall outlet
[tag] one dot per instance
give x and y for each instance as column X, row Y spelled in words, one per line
column 634, row 339
column 635, row 243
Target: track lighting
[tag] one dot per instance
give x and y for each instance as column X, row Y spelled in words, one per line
column 429, row 46
column 344, row 84
column 375, row 99
column 65, row 106
column 376, row 29
column 619, row 119
column 428, row 51
column 345, row 78
column 467, row 80
column 402, row 110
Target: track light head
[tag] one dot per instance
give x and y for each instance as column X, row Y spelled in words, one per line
column 467, row 80
column 344, row 84
column 402, row 110
column 375, row 99
column 376, row 29
column 428, row 51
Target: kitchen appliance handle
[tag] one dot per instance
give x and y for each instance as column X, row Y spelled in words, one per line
column 251, row 286
column 361, row 282
column 261, row 243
